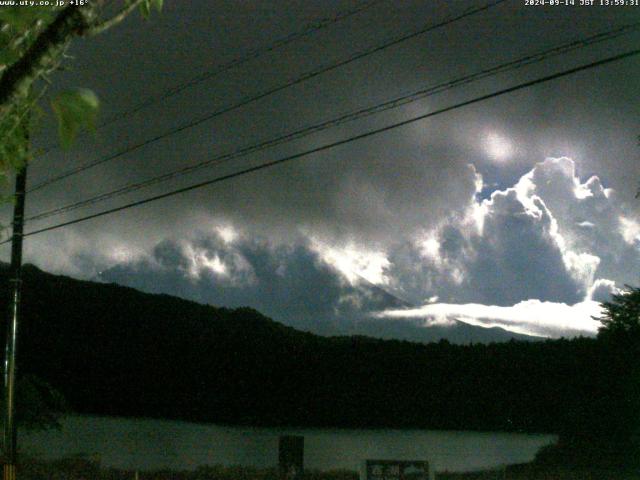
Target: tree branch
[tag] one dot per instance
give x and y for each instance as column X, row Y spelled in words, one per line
column 70, row 22
column 119, row 17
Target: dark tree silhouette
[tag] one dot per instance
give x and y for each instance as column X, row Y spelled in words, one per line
column 621, row 316
column 619, row 336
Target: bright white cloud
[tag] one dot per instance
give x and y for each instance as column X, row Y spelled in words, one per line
column 630, row 230
column 74, row 254
column 200, row 261
column 431, row 248
column 227, row 233
column 354, row 263
column 215, row 257
column 601, row 290
column 550, row 237
column 533, row 258
column 530, row 317
column 590, row 220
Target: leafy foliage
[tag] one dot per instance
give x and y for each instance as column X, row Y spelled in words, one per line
column 22, row 28
column 146, row 6
column 14, row 131
column 75, row 109
column 21, row 18
column 19, row 27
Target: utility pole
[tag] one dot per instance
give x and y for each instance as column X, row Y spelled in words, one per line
column 15, row 284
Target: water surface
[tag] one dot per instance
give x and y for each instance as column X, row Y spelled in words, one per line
column 148, row 444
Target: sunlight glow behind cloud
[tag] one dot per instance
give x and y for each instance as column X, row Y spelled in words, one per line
column 498, row 147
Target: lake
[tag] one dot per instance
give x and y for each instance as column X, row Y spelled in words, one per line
column 147, row 444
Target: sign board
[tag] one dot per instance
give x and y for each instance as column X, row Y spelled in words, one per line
column 397, row 470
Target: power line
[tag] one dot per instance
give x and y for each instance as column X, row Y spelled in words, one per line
column 394, row 103
column 247, row 100
column 338, row 143
column 236, row 62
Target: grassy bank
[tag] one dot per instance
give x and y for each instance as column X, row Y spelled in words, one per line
column 537, row 472
column 84, row 469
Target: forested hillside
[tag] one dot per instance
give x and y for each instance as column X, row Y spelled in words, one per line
column 113, row 350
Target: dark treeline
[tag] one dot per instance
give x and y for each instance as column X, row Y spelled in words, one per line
column 116, row 351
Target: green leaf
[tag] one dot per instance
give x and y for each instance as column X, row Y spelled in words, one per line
column 156, row 4
column 76, row 110
column 20, row 17
column 145, row 8
column 8, row 56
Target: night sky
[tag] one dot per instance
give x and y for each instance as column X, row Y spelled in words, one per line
column 517, row 212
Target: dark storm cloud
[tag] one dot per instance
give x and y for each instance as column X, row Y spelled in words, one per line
column 590, row 217
column 383, row 194
column 370, row 190
column 510, row 253
column 514, row 260
column 552, row 236
column 291, row 284
column 518, row 258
